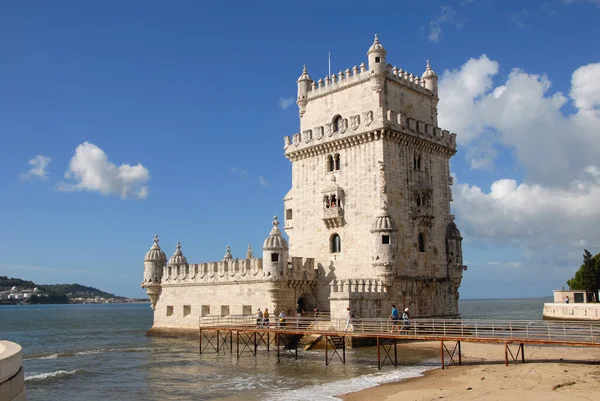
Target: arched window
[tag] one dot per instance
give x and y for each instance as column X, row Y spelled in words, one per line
column 330, row 163
column 419, row 200
column 421, row 240
column 333, row 201
column 337, row 123
column 335, row 244
column 326, row 201
column 337, row 161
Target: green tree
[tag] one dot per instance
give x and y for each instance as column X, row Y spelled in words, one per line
column 587, row 278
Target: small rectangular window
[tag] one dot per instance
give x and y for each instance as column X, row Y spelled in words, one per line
column 288, row 214
column 385, row 239
column 169, row 310
column 377, row 60
column 205, row 310
column 187, row 309
column 274, row 257
column 224, row 310
column 246, row 309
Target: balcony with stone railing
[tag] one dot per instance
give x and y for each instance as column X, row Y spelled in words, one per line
column 333, row 216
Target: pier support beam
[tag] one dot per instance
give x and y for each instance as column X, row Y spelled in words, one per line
column 515, row 357
column 387, row 349
column 456, row 352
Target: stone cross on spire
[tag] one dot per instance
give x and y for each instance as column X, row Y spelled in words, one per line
column 249, row 254
column 228, row 254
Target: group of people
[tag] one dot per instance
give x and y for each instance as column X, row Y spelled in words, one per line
column 394, row 317
column 262, row 318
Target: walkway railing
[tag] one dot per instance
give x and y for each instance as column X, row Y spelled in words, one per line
column 526, row 331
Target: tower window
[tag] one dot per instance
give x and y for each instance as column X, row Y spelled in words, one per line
column 326, row 201
column 274, row 257
column 421, row 240
column 337, row 161
column 288, row 214
column 330, row 163
column 335, row 244
column 333, row 201
column 377, row 59
column 385, row 239
column 337, row 123
column 417, row 162
column 169, row 310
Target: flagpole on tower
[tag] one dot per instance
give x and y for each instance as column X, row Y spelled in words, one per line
column 329, row 65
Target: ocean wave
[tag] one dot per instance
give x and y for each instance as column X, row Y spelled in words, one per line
column 328, row 391
column 87, row 352
column 50, row 376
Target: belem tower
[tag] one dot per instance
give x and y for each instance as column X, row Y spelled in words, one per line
column 367, row 216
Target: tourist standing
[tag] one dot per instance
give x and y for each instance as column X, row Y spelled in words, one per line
column 266, row 318
column 394, row 317
column 282, row 319
column 567, row 299
column 259, row 318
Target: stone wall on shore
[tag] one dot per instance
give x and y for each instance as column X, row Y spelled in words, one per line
column 563, row 311
column 12, row 377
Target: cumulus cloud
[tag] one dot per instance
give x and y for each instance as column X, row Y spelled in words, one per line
column 551, row 146
column 38, row 164
column 90, row 170
column 552, row 214
column 286, row 102
column 447, row 16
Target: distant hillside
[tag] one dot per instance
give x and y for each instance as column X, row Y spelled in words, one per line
column 68, row 290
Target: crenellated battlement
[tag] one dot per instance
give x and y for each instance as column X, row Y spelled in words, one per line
column 394, row 121
column 235, row 270
column 358, row 285
column 360, row 74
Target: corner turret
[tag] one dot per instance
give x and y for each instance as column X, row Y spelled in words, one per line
column 275, row 253
column 178, row 264
column 376, row 56
column 304, row 85
column 385, row 242
column 154, row 263
column 431, row 80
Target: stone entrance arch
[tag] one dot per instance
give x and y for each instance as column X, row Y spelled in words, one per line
column 306, row 302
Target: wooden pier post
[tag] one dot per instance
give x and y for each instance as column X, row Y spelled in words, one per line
column 218, row 340
column 378, row 355
column 326, row 344
column 459, row 355
column 200, row 341
column 442, row 352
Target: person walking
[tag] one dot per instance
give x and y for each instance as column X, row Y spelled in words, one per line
column 282, row 317
column 266, row 318
column 406, row 320
column 394, row 317
column 349, row 321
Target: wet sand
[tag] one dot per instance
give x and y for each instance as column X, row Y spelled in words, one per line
column 548, row 374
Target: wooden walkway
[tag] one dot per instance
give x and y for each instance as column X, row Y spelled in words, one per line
column 217, row 334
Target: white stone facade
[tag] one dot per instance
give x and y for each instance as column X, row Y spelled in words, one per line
column 368, row 215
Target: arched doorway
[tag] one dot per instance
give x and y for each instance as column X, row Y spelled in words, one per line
column 306, row 302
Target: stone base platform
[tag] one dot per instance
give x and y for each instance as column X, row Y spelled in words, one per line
column 562, row 311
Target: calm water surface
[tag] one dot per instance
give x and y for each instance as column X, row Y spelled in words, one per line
column 100, row 352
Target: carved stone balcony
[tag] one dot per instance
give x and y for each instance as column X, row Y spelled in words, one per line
column 333, row 216
column 422, row 213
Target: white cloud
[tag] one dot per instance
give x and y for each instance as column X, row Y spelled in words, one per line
column 550, row 146
column 245, row 174
column 447, row 16
column 262, row 181
column 286, row 102
column 596, row 2
column 91, row 170
column 38, row 164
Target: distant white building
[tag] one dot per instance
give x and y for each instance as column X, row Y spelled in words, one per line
column 19, row 295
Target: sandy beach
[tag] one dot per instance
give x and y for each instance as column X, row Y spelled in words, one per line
column 548, row 374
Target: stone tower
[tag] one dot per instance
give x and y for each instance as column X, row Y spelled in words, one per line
column 370, row 197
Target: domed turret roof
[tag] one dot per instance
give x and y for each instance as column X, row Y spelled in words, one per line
column 178, row 258
column 429, row 72
column 383, row 221
column 275, row 240
column 155, row 253
column 376, row 47
column 452, row 231
column 304, row 76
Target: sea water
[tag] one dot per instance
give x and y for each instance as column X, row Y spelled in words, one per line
column 100, row 352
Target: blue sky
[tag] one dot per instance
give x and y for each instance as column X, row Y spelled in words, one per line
column 197, row 96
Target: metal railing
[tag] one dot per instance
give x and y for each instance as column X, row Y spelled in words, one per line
column 529, row 331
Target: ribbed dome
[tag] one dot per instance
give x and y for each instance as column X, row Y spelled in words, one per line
column 376, row 47
column 155, row 253
column 178, row 258
column 429, row 72
column 452, row 231
column 304, row 76
column 383, row 221
column 275, row 240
